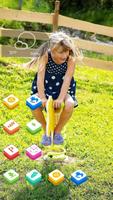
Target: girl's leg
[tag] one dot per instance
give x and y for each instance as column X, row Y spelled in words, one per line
column 39, row 116
column 66, row 113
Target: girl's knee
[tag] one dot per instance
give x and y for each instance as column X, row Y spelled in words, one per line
column 69, row 105
column 37, row 110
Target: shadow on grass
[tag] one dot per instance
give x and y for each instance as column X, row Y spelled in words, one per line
column 45, row 190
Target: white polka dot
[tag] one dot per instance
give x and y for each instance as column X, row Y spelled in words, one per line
column 73, row 84
column 57, row 83
column 50, row 88
column 46, row 81
column 71, row 92
column 34, row 87
column 53, row 77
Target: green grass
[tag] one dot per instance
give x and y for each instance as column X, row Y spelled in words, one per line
column 97, row 55
column 88, row 138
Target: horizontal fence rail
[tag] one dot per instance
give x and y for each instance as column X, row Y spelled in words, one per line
column 27, row 16
column 85, row 26
column 47, row 18
column 14, row 33
column 9, row 51
column 83, row 44
column 97, row 63
column 98, row 47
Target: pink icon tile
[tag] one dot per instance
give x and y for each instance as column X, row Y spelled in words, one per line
column 33, row 152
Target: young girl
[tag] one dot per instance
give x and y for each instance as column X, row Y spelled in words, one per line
column 57, row 59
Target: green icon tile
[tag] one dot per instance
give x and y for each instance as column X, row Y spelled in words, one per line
column 11, row 176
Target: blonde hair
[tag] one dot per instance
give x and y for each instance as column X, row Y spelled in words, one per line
column 55, row 39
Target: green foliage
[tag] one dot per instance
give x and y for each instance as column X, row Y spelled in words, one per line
column 88, row 137
column 97, row 56
column 11, row 24
column 65, row 4
column 97, row 16
column 33, row 5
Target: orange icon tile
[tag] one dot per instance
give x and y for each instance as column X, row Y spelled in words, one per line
column 11, row 101
column 56, row 177
column 11, row 126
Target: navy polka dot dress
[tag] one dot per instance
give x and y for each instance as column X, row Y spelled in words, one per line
column 54, row 76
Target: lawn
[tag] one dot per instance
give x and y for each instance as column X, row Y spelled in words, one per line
column 88, row 138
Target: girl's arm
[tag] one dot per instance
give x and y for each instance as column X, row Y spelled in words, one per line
column 67, row 78
column 41, row 75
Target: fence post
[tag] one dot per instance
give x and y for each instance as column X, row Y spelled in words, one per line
column 20, row 2
column 55, row 15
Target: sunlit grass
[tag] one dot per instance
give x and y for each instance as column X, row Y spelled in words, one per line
column 88, row 137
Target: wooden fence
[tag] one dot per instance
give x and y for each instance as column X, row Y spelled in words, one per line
column 57, row 21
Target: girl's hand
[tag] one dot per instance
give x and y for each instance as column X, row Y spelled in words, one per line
column 57, row 103
column 44, row 101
